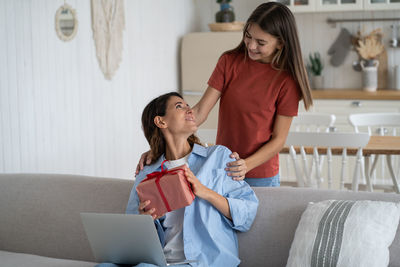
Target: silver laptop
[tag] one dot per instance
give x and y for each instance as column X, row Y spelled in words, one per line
column 125, row 239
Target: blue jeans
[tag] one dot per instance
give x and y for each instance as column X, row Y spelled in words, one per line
column 269, row 182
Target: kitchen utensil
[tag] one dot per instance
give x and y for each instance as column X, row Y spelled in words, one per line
column 393, row 40
column 340, row 48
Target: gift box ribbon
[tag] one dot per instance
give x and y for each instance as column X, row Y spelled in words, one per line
column 158, row 176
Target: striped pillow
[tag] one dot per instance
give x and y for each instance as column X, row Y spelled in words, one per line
column 342, row 233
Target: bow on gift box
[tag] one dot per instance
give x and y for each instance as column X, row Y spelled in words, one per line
column 158, row 176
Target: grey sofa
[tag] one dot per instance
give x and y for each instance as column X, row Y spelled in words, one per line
column 40, row 223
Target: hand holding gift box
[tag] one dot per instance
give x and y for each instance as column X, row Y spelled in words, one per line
column 167, row 190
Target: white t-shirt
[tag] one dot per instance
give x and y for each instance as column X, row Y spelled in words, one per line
column 173, row 223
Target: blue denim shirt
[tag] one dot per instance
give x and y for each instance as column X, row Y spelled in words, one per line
column 208, row 236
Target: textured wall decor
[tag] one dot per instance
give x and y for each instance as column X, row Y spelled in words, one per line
column 108, row 23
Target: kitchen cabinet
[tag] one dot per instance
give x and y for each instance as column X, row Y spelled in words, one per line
column 200, row 52
column 342, row 108
column 381, row 4
column 343, row 102
column 298, row 6
column 339, row 5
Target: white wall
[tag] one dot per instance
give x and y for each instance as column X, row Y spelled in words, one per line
column 57, row 112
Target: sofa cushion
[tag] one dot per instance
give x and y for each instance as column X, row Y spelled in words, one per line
column 40, row 213
column 345, row 233
column 11, row 259
column 270, row 237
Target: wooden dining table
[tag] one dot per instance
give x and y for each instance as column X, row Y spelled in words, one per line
column 382, row 145
column 377, row 145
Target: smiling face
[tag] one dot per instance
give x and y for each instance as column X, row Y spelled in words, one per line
column 168, row 121
column 261, row 46
column 179, row 117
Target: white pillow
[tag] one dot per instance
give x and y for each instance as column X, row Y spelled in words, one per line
column 345, row 233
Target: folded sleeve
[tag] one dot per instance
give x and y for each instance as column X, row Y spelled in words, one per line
column 288, row 99
column 217, row 79
column 243, row 202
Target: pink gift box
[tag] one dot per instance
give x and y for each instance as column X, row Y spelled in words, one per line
column 167, row 190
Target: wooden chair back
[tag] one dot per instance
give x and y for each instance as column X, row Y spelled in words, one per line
column 326, row 141
column 313, row 122
column 384, row 123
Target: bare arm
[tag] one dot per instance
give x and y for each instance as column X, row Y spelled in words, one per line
column 206, row 103
column 219, row 202
column 264, row 153
column 215, row 199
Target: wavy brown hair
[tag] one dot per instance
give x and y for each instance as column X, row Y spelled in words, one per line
column 276, row 19
column 153, row 134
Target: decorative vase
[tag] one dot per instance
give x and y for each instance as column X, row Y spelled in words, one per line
column 369, row 75
column 225, row 14
column 317, row 82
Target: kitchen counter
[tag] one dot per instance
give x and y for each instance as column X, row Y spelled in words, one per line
column 356, row 94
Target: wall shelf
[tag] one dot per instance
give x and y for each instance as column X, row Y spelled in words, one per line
column 334, row 21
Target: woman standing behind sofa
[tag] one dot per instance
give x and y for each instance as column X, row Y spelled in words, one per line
column 259, row 84
column 205, row 230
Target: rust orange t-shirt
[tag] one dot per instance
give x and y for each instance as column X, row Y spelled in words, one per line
column 252, row 94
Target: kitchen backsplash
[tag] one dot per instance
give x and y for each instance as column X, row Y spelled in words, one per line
column 317, row 35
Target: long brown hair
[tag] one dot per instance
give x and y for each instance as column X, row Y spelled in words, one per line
column 153, row 134
column 276, row 19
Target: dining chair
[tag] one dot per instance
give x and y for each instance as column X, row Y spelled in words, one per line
column 379, row 124
column 328, row 143
column 307, row 122
column 313, row 122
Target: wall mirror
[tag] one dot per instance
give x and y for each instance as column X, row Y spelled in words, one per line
column 66, row 23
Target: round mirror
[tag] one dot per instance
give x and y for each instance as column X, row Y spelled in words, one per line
column 66, row 23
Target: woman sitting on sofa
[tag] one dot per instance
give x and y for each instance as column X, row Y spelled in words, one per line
column 205, row 230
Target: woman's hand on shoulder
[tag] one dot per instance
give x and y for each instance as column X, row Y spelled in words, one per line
column 198, row 188
column 145, row 159
column 236, row 169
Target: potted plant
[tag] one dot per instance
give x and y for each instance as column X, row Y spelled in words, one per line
column 315, row 66
column 226, row 12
